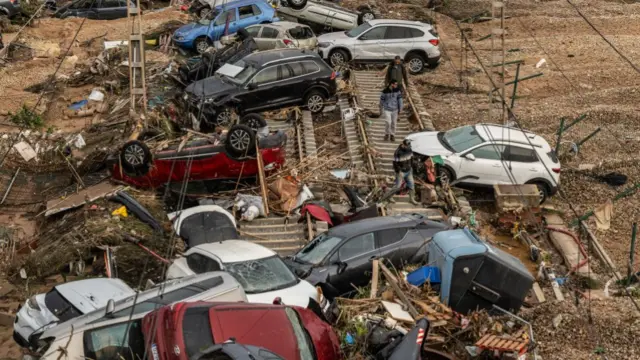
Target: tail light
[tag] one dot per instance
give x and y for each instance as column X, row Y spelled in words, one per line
column 556, row 170
column 334, row 75
column 288, row 43
column 434, row 42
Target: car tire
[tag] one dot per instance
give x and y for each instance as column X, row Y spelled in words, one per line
column 297, row 4
column 240, row 141
column 204, row 11
column 365, row 16
column 416, row 63
column 224, row 117
column 201, row 44
column 446, row 174
column 315, row 101
column 135, row 157
column 253, row 120
column 543, row 191
column 338, row 57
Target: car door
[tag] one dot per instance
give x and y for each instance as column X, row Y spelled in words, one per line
column 261, row 91
column 486, row 165
column 328, row 16
column 220, row 24
column 523, row 162
column 370, row 45
column 390, row 244
column 268, row 38
column 397, row 41
column 254, row 32
column 356, row 253
column 248, row 15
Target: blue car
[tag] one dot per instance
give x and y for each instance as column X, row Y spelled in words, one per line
column 238, row 14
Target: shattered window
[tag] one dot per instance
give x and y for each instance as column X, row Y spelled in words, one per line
column 315, row 251
column 262, row 275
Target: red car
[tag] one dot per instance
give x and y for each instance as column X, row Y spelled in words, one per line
column 233, row 158
column 291, row 332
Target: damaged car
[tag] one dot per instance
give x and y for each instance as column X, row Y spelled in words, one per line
column 102, row 334
column 203, row 224
column 283, row 34
column 205, row 66
column 262, row 273
column 340, row 258
column 231, row 157
column 227, row 18
column 291, row 332
column 262, row 81
column 488, row 154
column 65, row 302
column 324, row 14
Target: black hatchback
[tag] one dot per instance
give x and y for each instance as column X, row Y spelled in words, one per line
column 262, row 81
column 340, row 258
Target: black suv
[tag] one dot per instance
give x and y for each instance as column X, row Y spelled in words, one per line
column 262, row 81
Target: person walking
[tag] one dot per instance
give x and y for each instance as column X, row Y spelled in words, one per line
column 404, row 170
column 391, row 105
column 396, row 71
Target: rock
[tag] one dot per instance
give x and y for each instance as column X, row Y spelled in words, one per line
column 557, row 320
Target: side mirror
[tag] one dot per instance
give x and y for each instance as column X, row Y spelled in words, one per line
column 111, row 307
column 470, row 156
column 342, row 266
column 252, row 86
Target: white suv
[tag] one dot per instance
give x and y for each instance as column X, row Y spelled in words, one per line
column 381, row 41
column 486, row 151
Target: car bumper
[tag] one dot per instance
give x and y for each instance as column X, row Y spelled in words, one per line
column 331, row 311
column 433, row 61
column 185, row 44
column 553, row 190
column 323, row 52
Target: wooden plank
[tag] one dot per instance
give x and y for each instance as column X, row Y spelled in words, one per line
column 374, row 279
column 261, row 178
column 424, row 306
column 502, row 343
column 396, row 312
column 600, row 251
column 390, row 278
column 537, row 292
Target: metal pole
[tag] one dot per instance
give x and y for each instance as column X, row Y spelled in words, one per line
column 6, row 193
column 504, row 56
column 588, row 137
column 560, row 131
column 631, row 270
column 515, row 87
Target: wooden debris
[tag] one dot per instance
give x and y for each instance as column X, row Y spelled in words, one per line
column 396, row 312
column 374, row 280
column 398, row 291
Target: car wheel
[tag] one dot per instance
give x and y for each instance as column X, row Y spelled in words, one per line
column 240, row 141
column 135, row 157
column 203, row 12
column 338, row 58
column 315, row 101
column 446, row 175
column 365, row 15
column 254, row 121
column 201, row 44
column 415, row 63
column 224, row 117
column 543, row 192
column 297, row 4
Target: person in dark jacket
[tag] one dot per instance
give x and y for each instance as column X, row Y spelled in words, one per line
column 390, row 107
column 403, row 169
column 396, row 71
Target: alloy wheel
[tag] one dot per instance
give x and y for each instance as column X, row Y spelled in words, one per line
column 224, row 118
column 415, row 65
column 337, row 59
column 201, row 47
column 239, row 140
column 315, row 103
column 134, row 154
column 368, row 16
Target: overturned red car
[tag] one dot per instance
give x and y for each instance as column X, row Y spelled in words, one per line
column 182, row 330
column 233, row 157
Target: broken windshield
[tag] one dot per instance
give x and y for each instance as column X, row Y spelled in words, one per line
column 262, row 275
column 462, row 138
column 317, row 249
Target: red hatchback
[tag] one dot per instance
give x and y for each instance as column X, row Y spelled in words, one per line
column 203, row 159
column 291, row 332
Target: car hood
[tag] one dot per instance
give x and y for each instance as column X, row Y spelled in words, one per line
column 38, row 318
column 427, row 143
column 209, row 87
column 297, row 295
column 190, row 29
column 333, row 37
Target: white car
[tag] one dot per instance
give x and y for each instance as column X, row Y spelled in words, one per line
column 65, row 302
column 323, row 14
column 486, row 151
column 283, row 34
column 381, row 41
column 212, row 286
column 260, row 271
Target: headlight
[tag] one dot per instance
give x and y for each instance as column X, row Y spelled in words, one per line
column 32, row 303
column 324, row 44
column 179, row 38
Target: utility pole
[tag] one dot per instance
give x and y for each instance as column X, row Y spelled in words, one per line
column 497, row 17
column 137, row 85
